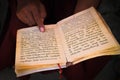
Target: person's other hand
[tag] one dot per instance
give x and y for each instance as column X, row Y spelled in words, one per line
column 31, row 12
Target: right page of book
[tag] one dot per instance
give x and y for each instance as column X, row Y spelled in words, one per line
column 86, row 35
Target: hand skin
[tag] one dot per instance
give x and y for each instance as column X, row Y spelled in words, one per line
column 31, row 12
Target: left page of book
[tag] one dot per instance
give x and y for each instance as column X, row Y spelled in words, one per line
column 37, row 51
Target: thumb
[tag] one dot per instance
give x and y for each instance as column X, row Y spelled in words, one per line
column 41, row 27
column 43, row 15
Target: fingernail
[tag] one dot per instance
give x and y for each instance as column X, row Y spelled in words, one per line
column 42, row 29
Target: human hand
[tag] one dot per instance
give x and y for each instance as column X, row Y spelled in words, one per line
column 31, row 12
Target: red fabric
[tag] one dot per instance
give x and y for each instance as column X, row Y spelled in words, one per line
column 86, row 70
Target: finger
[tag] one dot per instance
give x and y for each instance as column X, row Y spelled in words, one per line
column 43, row 14
column 22, row 17
column 30, row 18
column 41, row 27
column 39, row 20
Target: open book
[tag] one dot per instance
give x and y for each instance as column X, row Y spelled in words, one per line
column 82, row 36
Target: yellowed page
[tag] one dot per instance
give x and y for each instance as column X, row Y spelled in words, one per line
column 34, row 47
column 24, row 70
column 85, row 34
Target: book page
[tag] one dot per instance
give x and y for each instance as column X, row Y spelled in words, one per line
column 84, row 34
column 35, row 47
column 24, row 70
